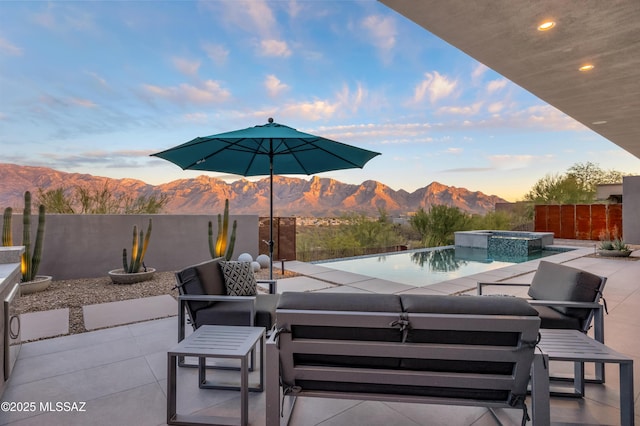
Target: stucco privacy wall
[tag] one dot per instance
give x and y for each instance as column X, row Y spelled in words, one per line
column 87, row 246
column 631, row 209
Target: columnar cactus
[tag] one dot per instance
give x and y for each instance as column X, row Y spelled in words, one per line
column 223, row 247
column 31, row 261
column 7, row 235
column 138, row 250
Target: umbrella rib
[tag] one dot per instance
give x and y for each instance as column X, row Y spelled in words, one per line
column 231, row 144
column 309, row 146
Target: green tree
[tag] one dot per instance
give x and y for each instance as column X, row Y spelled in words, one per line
column 437, row 226
column 104, row 200
column 577, row 185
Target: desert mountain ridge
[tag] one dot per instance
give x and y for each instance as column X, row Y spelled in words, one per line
column 319, row 197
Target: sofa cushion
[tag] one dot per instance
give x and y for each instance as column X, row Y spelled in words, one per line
column 211, row 277
column 553, row 281
column 468, row 305
column 189, row 283
column 239, row 278
column 471, row 305
column 550, row 318
column 239, row 313
column 340, row 302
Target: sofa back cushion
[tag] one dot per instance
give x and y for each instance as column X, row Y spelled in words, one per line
column 553, row 281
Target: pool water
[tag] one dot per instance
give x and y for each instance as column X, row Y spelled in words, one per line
column 420, row 268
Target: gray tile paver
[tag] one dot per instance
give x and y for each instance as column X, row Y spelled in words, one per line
column 122, row 368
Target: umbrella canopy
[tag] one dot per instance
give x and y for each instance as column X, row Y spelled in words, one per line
column 266, row 149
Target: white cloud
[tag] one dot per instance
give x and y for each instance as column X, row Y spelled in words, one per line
column 186, row 66
column 216, row 52
column 274, row 86
column 495, row 107
column 478, row 72
column 454, row 150
column 382, row 31
column 435, row 86
column 461, row 110
column 316, row 110
column 276, row 48
column 207, row 92
column 351, row 100
column 252, row 17
column 495, row 85
column 9, row 48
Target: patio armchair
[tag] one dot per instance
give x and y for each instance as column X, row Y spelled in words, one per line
column 566, row 298
column 216, row 292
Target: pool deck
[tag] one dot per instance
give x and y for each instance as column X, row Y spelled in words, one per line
column 121, row 372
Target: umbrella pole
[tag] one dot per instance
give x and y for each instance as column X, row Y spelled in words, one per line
column 270, row 210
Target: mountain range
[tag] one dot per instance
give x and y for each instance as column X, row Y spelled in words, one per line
column 319, row 197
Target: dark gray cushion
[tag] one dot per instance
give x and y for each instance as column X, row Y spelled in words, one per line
column 211, row 277
column 239, row 313
column 189, row 283
column 563, row 283
column 471, row 305
column 550, row 318
column 356, row 302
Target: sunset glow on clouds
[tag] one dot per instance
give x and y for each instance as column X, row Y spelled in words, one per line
column 95, row 87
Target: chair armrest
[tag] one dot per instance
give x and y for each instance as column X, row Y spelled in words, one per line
column 561, row 304
column 214, row 298
column 480, row 284
column 273, row 285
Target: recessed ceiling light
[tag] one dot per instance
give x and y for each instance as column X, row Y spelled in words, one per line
column 587, row 67
column 546, row 26
column 600, row 122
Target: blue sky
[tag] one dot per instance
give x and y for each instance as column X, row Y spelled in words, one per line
column 95, row 87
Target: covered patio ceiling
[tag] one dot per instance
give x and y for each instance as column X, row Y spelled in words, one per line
column 504, row 35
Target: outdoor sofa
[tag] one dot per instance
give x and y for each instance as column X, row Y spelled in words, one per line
column 451, row 350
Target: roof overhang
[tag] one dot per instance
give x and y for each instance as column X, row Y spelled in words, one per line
column 503, row 35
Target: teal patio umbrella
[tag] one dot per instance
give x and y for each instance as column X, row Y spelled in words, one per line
column 266, row 149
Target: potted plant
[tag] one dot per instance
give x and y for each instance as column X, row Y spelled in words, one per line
column 134, row 271
column 30, row 261
column 613, row 246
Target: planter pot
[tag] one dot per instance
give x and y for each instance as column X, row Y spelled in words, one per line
column 614, row 253
column 118, row 276
column 41, row 282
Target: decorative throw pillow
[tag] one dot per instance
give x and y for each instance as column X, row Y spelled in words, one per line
column 239, row 278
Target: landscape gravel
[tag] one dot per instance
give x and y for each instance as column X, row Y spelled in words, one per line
column 76, row 293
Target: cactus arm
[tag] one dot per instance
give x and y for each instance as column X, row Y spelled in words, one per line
column 26, row 238
column 219, row 243
column 212, row 248
column 146, row 242
column 37, row 249
column 125, row 266
column 232, row 241
column 135, row 264
column 225, row 228
column 7, row 235
column 134, row 249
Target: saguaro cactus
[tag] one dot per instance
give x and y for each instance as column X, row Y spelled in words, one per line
column 223, row 246
column 31, row 261
column 138, row 250
column 7, row 235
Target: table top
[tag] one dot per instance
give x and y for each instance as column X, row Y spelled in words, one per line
column 573, row 345
column 219, row 341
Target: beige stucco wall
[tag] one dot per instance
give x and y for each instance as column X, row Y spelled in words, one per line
column 87, row 246
column 631, row 209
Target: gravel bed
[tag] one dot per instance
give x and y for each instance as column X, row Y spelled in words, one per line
column 74, row 294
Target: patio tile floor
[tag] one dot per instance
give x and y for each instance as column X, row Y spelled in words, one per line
column 120, row 372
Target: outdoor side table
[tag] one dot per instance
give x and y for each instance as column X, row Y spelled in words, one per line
column 577, row 347
column 214, row 341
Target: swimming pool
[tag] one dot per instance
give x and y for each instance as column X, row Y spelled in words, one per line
column 420, row 268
